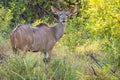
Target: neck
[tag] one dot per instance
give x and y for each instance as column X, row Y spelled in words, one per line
column 59, row 30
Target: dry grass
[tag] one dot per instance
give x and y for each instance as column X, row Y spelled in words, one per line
column 64, row 65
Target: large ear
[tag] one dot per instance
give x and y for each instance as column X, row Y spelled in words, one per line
column 54, row 10
column 72, row 11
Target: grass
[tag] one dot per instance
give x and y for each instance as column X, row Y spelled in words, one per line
column 64, row 65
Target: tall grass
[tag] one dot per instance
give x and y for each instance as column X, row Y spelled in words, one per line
column 64, row 65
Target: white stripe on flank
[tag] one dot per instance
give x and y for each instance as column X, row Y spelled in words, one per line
column 15, row 40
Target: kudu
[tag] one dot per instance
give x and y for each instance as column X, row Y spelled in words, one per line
column 41, row 37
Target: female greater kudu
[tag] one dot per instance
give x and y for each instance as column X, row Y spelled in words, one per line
column 40, row 38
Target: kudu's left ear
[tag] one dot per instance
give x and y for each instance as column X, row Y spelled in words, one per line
column 72, row 11
column 54, row 10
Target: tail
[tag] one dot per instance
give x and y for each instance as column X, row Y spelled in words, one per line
column 13, row 41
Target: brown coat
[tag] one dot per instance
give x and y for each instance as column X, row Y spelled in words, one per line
column 28, row 38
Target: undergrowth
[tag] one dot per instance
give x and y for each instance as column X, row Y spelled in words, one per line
column 87, row 62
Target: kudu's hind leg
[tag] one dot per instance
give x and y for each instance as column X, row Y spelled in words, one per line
column 15, row 51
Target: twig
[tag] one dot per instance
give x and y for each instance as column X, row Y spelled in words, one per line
column 94, row 71
column 94, row 59
column 97, row 62
column 114, row 72
column 45, row 11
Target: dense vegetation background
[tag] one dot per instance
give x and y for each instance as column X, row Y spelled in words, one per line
column 90, row 49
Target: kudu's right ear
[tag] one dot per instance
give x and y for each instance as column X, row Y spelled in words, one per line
column 72, row 11
column 54, row 10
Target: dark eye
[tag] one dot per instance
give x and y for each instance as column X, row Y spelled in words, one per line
column 67, row 14
column 60, row 14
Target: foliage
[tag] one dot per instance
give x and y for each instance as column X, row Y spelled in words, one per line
column 103, row 23
column 89, row 50
column 5, row 20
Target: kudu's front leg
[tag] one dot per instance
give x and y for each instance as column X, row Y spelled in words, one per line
column 46, row 60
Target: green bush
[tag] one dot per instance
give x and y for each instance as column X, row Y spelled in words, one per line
column 93, row 30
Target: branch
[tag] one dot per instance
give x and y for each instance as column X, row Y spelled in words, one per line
column 94, row 59
column 94, row 71
column 97, row 62
column 45, row 11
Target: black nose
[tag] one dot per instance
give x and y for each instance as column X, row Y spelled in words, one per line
column 63, row 21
